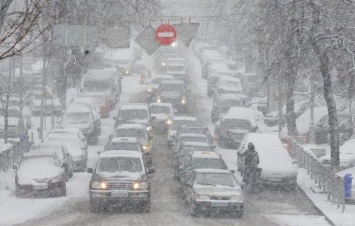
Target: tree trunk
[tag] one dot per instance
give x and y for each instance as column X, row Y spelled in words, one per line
column 290, row 105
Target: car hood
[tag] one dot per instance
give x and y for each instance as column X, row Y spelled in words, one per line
column 171, row 94
column 218, row 190
column 34, row 174
column 138, row 121
column 119, row 176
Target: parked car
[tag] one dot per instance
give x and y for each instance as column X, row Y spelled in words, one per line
column 174, row 92
column 223, row 102
column 200, row 160
column 177, row 70
column 176, row 123
column 134, row 113
column 84, row 107
column 202, row 195
column 188, row 137
column 68, row 134
column 61, row 150
column 84, row 120
column 13, row 123
column 213, row 79
column 163, row 113
column 79, row 155
column 40, row 173
column 14, row 105
column 346, row 156
column 120, row 177
column 154, row 85
column 276, row 164
column 90, row 102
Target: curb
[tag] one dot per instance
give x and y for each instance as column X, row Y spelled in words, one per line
column 315, row 207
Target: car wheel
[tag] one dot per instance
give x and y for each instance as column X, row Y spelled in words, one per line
column 192, row 209
column 146, row 207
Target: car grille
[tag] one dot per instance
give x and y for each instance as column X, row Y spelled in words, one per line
column 119, row 185
column 219, row 197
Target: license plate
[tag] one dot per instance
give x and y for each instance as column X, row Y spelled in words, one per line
column 220, row 204
column 40, row 187
column 119, row 194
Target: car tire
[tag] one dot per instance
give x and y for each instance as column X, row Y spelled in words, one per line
column 146, row 207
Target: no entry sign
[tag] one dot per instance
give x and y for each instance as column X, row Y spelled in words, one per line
column 165, row 34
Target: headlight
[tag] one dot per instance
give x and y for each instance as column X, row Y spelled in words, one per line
column 163, row 64
column 149, row 128
column 146, row 147
column 140, row 185
column 127, row 72
column 150, row 90
column 183, row 100
column 158, row 99
column 169, row 121
column 99, row 185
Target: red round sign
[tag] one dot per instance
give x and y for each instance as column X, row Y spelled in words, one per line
column 165, row 34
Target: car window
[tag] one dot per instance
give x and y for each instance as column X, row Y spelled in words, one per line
column 206, row 163
column 131, row 114
column 177, row 123
column 236, row 124
column 166, row 87
column 77, row 118
column 138, row 133
column 96, row 85
column 215, row 179
column 156, row 109
column 122, row 146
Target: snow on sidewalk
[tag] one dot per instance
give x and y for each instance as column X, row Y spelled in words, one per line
column 320, row 201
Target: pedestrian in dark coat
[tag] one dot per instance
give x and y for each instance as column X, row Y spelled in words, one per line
column 251, row 169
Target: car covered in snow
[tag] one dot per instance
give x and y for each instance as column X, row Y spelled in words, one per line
column 196, row 130
column 155, row 82
column 176, row 123
column 163, row 113
column 51, row 104
column 68, row 134
column 89, row 102
column 177, row 70
column 130, row 144
column 200, row 160
column 223, row 102
column 103, row 103
column 277, row 166
column 40, row 173
column 85, row 120
column 174, row 92
column 134, row 113
column 120, row 178
column 213, row 79
column 214, row 190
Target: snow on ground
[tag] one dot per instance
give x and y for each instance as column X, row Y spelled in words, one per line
column 326, row 207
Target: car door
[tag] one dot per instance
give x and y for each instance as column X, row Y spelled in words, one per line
column 189, row 187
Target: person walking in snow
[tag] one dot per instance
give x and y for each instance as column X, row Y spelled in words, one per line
column 251, row 169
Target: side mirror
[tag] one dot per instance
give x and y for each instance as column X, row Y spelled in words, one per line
column 150, row 137
column 14, row 167
column 64, row 164
column 151, row 171
column 98, row 152
column 90, row 170
column 232, row 171
column 114, row 118
column 154, row 118
column 83, row 139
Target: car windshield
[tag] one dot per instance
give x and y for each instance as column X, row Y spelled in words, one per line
column 178, row 123
column 38, row 162
column 191, row 130
column 213, row 79
column 156, row 80
column 96, row 85
column 206, row 163
column 122, row 146
column 77, row 118
column 236, row 124
column 120, row 164
column 155, row 109
column 171, row 88
column 138, row 133
column 215, row 179
column 132, row 114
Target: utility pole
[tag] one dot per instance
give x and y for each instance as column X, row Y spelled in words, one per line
column 22, row 124
column 43, row 99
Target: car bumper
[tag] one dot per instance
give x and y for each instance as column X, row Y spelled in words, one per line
column 119, row 196
column 278, row 181
column 52, row 188
column 219, row 205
